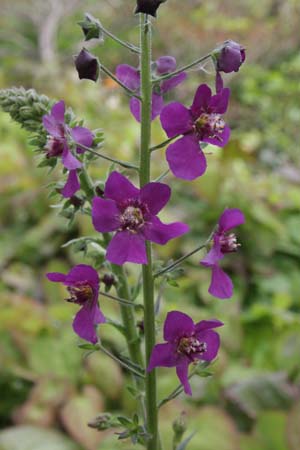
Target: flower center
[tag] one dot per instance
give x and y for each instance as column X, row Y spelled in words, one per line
column 229, row 243
column 80, row 293
column 132, row 218
column 210, row 125
column 190, row 345
column 54, row 147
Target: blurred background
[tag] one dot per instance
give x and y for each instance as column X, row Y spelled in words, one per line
column 49, row 388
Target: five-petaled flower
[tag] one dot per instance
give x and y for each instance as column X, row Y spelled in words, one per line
column 131, row 212
column 202, row 122
column 223, row 242
column 186, row 343
column 82, row 282
column 58, row 144
column 130, row 76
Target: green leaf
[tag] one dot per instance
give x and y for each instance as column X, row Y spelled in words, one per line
column 34, row 438
column 183, row 445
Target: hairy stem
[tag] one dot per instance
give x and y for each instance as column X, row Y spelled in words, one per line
column 182, row 69
column 113, row 77
column 184, row 257
column 124, row 164
column 148, row 291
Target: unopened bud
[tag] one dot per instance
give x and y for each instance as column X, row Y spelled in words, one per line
column 102, row 422
column 148, row 6
column 91, row 28
column 229, row 57
column 87, row 66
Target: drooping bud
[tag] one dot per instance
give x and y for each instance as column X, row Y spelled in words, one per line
column 109, row 280
column 229, row 57
column 179, row 427
column 91, row 27
column 148, row 6
column 87, row 66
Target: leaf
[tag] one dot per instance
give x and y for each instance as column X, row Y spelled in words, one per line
column 76, row 414
column 183, row 445
column 34, row 438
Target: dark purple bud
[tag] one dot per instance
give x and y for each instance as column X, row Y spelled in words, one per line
column 87, row 66
column 109, row 280
column 229, row 57
column 148, row 6
column 76, row 201
column 91, row 28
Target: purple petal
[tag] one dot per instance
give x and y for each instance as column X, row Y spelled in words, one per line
column 105, row 215
column 69, row 161
column 58, row 111
column 213, row 256
column 231, row 218
column 72, row 185
column 82, row 136
column 85, row 320
column 162, row 356
column 212, row 341
column 219, row 82
column 83, row 272
column 157, row 106
column 119, row 188
column 161, row 233
column 135, row 108
column 176, row 119
column 207, row 324
column 52, row 126
column 201, row 100
column 129, row 76
column 127, row 247
column 221, row 285
column 182, row 371
column 222, row 139
column 186, row 159
column 167, row 85
column 165, row 64
column 57, row 277
column 219, row 103
column 177, row 325
column 155, row 195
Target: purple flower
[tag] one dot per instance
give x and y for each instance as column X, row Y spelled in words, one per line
column 57, row 144
column 201, row 122
column 132, row 213
column 186, row 343
column 148, row 6
column 130, row 76
column 221, row 285
column 83, row 285
column 229, row 57
column 87, row 66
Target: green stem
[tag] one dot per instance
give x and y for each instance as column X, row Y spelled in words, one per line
column 163, row 144
column 121, row 300
column 121, row 362
column 86, row 183
column 184, row 257
column 124, row 164
column 182, row 69
column 113, row 77
column 148, row 291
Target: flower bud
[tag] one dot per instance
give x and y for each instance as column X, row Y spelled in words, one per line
column 148, row 6
column 102, row 422
column 87, row 66
column 229, row 57
column 91, row 28
column 179, row 427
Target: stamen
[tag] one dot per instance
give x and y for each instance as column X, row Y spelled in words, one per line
column 80, row 293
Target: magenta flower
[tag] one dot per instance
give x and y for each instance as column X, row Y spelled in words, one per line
column 186, row 343
column 83, row 285
column 131, row 212
column 201, row 122
column 221, row 285
column 57, row 144
column 130, row 76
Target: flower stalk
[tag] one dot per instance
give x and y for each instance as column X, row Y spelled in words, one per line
column 148, row 289
column 183, row 69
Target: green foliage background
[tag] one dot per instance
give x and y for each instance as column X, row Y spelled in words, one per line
column 252, row 401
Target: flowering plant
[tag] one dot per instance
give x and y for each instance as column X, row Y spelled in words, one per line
column 126, row 216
